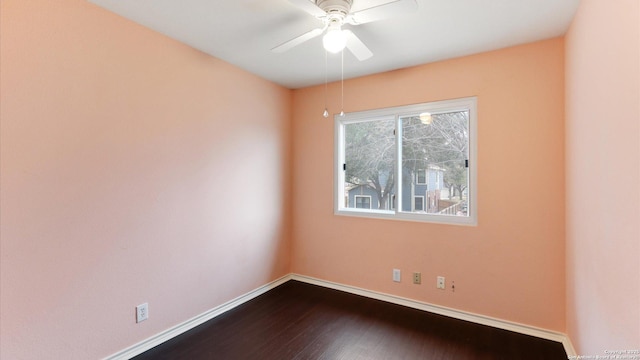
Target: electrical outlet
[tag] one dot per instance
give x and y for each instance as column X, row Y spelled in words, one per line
column 417, row 278
column 396, row 275
column 440, row 283
column 142, row 312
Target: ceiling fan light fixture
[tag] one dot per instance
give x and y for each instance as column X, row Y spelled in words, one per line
column 334, row 40
column 426, row 118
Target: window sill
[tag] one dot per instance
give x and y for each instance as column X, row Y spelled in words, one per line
column 405, row 216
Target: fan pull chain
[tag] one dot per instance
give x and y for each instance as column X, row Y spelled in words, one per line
column 326, row 111
column 342, row 85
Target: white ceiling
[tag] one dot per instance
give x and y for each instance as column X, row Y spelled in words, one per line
column 242, row 32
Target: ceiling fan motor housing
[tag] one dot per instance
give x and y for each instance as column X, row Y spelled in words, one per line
column 335, row 7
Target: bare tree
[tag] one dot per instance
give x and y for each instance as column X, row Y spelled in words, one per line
column 443, row 143
column 370, row 157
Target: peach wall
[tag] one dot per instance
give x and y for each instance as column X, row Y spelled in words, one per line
column 511, row 266
column 134, row 169
column 603, row 176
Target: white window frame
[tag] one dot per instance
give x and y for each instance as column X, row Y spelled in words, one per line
column 396, row 114
column 355, row 200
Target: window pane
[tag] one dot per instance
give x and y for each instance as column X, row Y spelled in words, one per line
column 369, row 164
column 436, row 151
column 363, row 202
column 418, row 203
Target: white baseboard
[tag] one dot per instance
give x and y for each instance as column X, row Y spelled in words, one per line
column 170, row 333
column 568, row 347
column 449, row 312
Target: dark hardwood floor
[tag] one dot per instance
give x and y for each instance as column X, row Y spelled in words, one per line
column 302, row 321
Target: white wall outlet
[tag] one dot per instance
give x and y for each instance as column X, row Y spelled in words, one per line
column 396, row 275
column 440, row 283
column 142, row 312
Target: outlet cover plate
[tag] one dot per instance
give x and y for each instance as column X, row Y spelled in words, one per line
column 417, row 278
column 142, row 312
column 396, row 275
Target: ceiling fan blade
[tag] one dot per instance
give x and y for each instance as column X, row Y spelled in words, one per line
column 309, row 7
column 297, row 41
column 383, row 11
column 356, row 46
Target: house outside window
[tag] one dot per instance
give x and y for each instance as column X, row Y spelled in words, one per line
column 408, row 168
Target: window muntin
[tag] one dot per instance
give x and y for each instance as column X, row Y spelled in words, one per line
column 434, row 161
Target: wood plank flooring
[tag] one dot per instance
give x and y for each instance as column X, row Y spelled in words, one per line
column 302, row 321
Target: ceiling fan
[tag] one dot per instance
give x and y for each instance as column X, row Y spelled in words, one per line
column 334, row 14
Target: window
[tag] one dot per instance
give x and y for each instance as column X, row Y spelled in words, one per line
column 418, row 203
column 421, row 177
column 363, row 202
column 415, row 162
